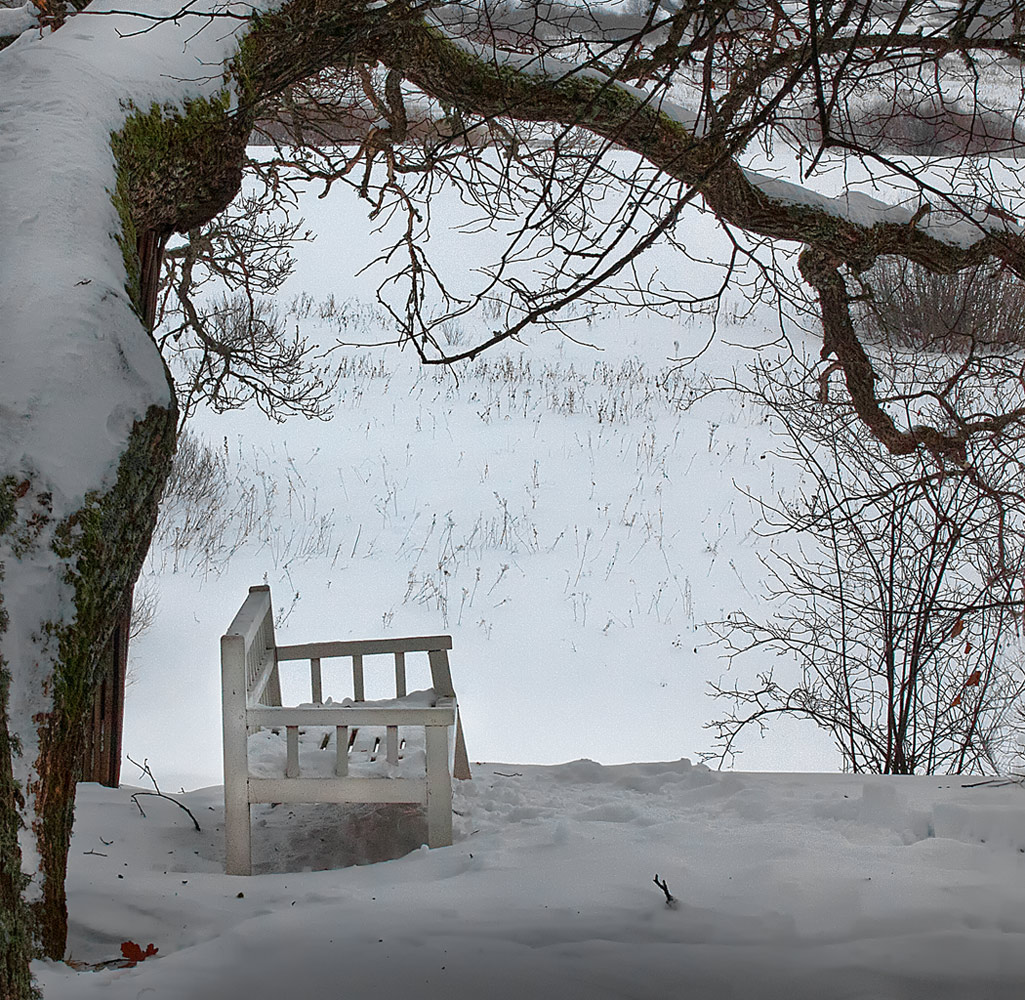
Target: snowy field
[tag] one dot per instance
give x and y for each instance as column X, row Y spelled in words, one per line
column 572, row 522
column 559, row 508
column 788, row 886
column 574, row 560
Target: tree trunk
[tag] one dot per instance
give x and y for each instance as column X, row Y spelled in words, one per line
column 101, row 740
column 70, row 554
column 103, row 726
column 109, row 557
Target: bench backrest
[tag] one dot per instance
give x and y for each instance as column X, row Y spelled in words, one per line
column 250, row 657
column 435, row 646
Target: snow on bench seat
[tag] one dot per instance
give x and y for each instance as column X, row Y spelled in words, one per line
column 365, row 746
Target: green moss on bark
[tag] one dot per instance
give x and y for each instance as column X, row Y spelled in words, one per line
column 103, row 545
column 16, row 942
column 159, row 187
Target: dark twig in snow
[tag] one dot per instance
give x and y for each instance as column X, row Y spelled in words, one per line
column 1011, row 779
column 145, row 769
column 671, row 901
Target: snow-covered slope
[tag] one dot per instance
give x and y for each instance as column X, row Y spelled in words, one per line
column 788, row 886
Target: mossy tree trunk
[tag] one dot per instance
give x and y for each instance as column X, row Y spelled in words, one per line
column 108, row 544
column 174, row 171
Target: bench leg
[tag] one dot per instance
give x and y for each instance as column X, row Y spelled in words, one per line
column 461, row 765
column 439, row 788
column 238, row 835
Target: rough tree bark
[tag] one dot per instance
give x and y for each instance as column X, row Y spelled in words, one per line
column 174, row 169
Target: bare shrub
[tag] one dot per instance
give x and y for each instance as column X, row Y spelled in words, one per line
column 216, row 502
column 144, row 610
column 901, row 602
column 907, row 306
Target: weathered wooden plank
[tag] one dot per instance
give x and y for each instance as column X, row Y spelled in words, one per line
column 441, row 677
column 338, row 790
column 400, row 675
column 357, row 715
column 315, row 680
column 358, row 692
column 236, row 755
column 364, row 647
column 258, row 688
column 460, row 763
column 291, row 751
column 439, row 788
column 250, row 616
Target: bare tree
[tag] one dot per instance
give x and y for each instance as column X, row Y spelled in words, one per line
column 897, row 590
column 218, row 324
column 585, row 131
column 977, row 312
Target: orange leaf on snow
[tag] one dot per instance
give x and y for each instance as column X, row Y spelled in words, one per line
column 133, row 953
column 956, row 702
column 967, row 648
column 957, row 629
column 973, row 679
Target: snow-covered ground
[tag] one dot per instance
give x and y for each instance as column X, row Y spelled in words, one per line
column 572, row 524
column 787, row 885
column 556, row 510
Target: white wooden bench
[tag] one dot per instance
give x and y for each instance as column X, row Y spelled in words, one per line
column 251, row 698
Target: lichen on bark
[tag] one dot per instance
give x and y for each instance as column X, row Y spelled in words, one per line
column 102, row 547
column 15, row 935
column 175, row 168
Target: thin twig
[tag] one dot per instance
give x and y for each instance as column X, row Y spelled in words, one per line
column 145, row 768
column 671, row 901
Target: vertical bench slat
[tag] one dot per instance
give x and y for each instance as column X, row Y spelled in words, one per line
column 268, row 645
column 441, row 678
column 460, row 763
column 236, row 756
column 400, row 675
column 392, row 750
column 315, row 681
column 341, row 751
column 292, row 751
column 357, row 677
